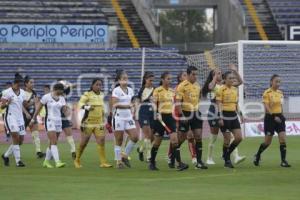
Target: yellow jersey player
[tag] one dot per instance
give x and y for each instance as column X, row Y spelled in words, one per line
column 274, row 121
column 92, row 122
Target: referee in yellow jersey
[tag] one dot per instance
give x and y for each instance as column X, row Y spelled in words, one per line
column 187, row 105
column 92, row 122
column 274, row 121
column 227, row 101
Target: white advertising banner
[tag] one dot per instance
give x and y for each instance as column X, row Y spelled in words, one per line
column 256, row 129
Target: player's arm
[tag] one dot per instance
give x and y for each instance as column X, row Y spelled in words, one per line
column 28, row 116
column 237, row 75
column 266, row 102
column 38, row 108
column 219, row 99
column 83, row 102
column 5, row 100
column 213, row 83
column 178, row 99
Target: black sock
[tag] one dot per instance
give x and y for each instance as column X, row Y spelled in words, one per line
column 153, row 154
column 178, row 156
column 283, row 152
column 173, row 154
column 261, row 149
column 224, row 151
column 230, row 149
column 198, row 147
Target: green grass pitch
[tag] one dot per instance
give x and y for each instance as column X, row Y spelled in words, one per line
column 268, row 182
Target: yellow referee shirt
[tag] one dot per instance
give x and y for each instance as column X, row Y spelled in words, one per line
column 274, row 99
column 189, row 94
column 228, row 97
column 164, row 99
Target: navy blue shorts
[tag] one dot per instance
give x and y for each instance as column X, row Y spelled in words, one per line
column 146, row 116
column 212, row 116
column 66, row 123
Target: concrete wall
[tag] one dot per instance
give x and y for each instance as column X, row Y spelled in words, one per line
column 229, row 20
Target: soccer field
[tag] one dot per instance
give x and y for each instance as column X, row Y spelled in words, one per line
column 244, row 182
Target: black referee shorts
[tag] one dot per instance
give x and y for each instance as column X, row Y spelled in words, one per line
column 170, row 122
column 231, row 121
column 194, row 121
column 271, row 126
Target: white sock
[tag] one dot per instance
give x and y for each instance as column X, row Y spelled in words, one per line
column 235, row 153
column 48, row 154
column 54, row 152
column 8, row 151
column 211, row 145
column 117, row 153
column 71, row 143
column 147, row 148
column 17, row 153
column 129, row 147
column 36, row 140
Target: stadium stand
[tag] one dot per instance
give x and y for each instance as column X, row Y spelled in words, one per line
column 46, row 65
column 264, row 17
column 286, row 12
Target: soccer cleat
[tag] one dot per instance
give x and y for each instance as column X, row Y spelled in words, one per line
column 120, row 166
column 228, row 164
column 46, row 164
column 285, row 164
column 152, row 167
column 60, row 164
column 105, row 165
column 5, row 160
column 194, row 161
column 40, row 154
column 256, row 160
column 201, row 165
column 126, row 162
column 210, row 161
column 77, row 164
column 171, row 165
column 141, row 154
column 20, row 164
column 182, row 166
column 239, row 159
column 73, row 154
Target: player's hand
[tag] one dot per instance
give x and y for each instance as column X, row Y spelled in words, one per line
column 158, row 116
column 31, row 122
column 108, row 128
column 28, row 116
column 221, row 122
column 277, row 119
column 242, row 119
column 109, row 119
column 232, row 67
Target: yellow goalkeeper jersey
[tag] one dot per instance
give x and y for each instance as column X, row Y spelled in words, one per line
column 96, row 102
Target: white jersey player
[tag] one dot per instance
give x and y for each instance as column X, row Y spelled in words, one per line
column 54, row 103
column 13, row 100
column 123, row 119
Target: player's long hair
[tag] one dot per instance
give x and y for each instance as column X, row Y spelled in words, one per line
column 145, row 77
column 205, row 89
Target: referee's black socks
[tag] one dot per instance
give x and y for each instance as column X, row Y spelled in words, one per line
column 154, row 151
column 261, row 148
column 230, row 149
column 198, row 147
column 283, row 152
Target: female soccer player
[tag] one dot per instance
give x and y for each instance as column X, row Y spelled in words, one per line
column 274, row 121
column 31, row 98
column 54, row 103
column 123, row 119
column 2, row 111
column 163, row 98
column 92, row 122
column 213, row 83
column 227, row 101
column 187, row 104
column 146, row 115
column 67, row 123
column 14, row 100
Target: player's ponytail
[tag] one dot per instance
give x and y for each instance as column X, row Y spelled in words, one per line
column 205, row 89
